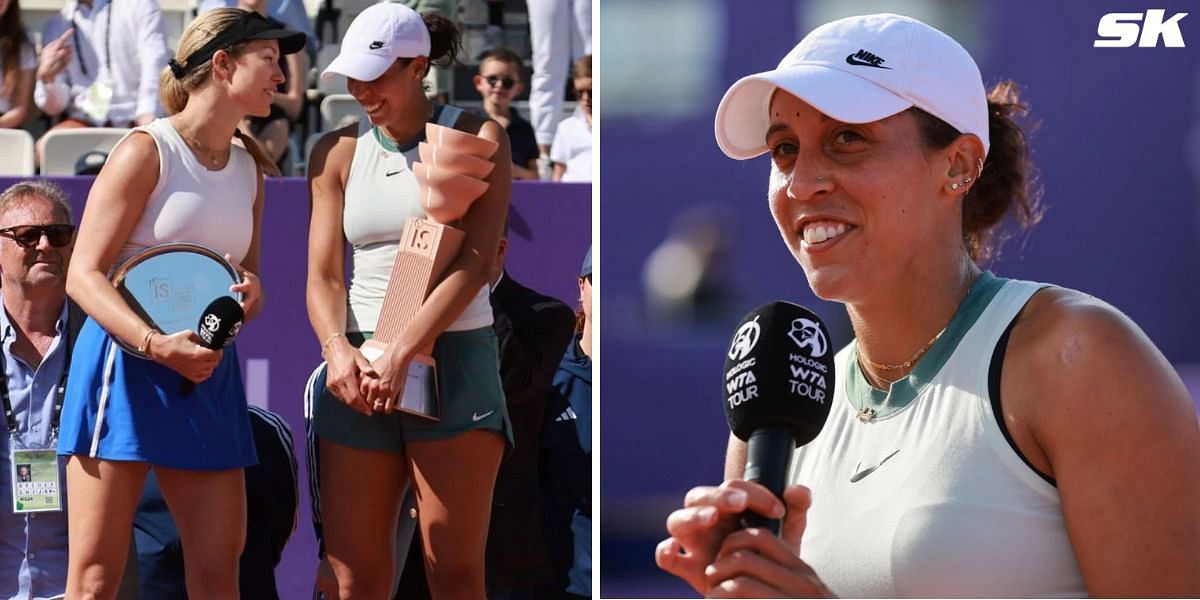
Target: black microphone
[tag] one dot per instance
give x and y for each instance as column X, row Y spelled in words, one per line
column 778, row 385
column 219, row 324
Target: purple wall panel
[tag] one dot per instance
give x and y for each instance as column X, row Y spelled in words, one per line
column 550, row 231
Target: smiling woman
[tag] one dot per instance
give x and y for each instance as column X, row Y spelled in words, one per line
column 364, row 187
column 983, row 427
column 124, row 414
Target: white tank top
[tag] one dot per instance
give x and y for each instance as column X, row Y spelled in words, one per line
column 193, row 204
column 381, row 194
column 951, row 509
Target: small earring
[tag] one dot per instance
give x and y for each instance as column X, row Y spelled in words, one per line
column 966, row 181
column 980, row 165
column 954, row 186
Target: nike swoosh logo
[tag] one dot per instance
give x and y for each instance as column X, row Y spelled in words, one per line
column 476, row 417
column 393, row 173
column 861, row 474
column 859, row 63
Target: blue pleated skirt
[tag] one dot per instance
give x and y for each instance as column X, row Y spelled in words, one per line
column 121, row 407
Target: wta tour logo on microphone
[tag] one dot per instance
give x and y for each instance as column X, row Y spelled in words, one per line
column 209, row 327
column 740, row 381
column 808, row 375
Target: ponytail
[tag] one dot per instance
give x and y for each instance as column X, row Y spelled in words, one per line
column 1009, row 182
column 445, row 39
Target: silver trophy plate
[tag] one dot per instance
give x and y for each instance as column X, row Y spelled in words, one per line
column 170, row 285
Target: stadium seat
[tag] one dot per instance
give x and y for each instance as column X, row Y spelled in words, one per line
column 337, row 110
column 336, row 85
column 17, row 158
column 63, row 147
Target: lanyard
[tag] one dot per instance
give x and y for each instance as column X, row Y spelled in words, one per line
column 107, row 42
column 59, row 393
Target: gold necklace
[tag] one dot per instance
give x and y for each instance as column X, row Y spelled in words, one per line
column 908, row 363
column 214, row 158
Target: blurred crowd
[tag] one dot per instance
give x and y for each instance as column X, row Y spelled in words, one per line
column 97, row 64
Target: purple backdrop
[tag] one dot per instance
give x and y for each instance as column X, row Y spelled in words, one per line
column 550, row 228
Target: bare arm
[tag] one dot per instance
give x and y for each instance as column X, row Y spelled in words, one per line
column 558, row 172
column 292, row 101
column 1113, row 424
column 22, row 101
column 250, row 287
column 326, row 288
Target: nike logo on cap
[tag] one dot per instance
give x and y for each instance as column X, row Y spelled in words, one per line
column 376, row 45
column 862, row 58
column 863, row 473
column 476, row 417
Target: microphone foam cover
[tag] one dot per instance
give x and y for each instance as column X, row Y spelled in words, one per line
column 220, row 322
column 779, row 372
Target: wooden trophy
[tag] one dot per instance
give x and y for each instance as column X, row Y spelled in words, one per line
column 449, row 178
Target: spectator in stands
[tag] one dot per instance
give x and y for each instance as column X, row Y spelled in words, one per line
column 287, row 107
column 271, row 500
column 38, row 327
column 100, row 63
column 560, row 32
column 498, row 82
column 18, row 63
column 572, row 149
column 35, row 222
column 567, row 455
column 532, row 330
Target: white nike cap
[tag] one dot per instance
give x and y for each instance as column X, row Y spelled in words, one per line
column 858, row 70
column 376, row 38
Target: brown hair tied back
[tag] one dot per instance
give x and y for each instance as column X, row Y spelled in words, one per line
column 445, row 39
column 1009, row 182
column 177, row 81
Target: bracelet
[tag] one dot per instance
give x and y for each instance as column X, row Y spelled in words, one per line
column 144, row 347
column 328, row 341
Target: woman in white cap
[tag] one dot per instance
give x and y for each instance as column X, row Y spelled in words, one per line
column 176, row 179
column 363, row 189
column 988, row 437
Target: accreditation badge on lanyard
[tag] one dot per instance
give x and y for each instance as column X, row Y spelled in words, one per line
column 36, row 486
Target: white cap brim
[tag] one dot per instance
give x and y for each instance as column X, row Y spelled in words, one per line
column 363, row 66
column 743, row 116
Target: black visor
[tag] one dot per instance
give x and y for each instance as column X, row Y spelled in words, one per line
column 250, row 26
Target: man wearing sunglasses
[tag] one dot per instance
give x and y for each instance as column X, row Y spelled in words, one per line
column 498, row 82
column 36, row 237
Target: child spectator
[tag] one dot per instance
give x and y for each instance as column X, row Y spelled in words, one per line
column 571, row 151
column 498, row 82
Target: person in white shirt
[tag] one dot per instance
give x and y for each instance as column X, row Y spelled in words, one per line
column 571, row 151
column 560, row 31
column 17, row 63
column 100, row 64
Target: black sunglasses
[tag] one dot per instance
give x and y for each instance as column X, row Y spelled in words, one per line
column 505, row 82
column 28, row 236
